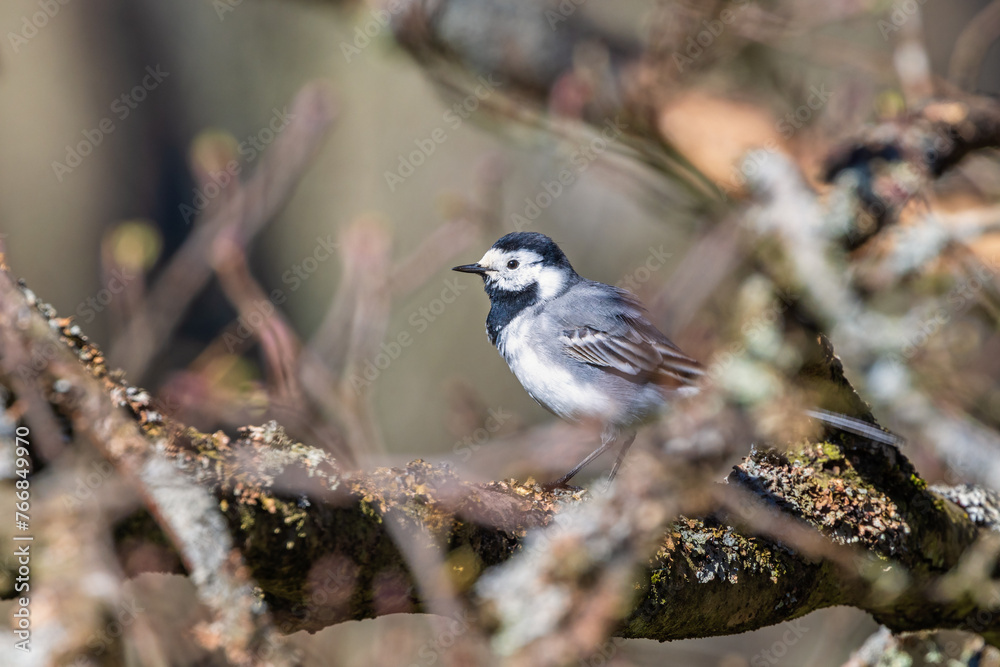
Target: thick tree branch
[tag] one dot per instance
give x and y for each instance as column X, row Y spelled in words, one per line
column 89, row 397
column 316, row 540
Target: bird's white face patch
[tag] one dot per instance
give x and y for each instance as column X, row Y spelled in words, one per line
column 518, row 270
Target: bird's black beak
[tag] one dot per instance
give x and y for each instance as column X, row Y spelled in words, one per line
column 471, row 268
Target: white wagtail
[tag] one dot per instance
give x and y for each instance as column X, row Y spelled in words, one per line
column 587, row 351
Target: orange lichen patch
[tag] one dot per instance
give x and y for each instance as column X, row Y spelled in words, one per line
column 263, row 466
column 435, row 497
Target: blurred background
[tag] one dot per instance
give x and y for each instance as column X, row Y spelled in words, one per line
column 119, row 119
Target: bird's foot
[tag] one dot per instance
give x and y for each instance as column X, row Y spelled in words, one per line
column 559, row 484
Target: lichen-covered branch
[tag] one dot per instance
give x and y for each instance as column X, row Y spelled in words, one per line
column 88, row 398
column 316, row 542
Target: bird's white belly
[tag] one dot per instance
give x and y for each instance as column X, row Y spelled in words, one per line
column 548, row 381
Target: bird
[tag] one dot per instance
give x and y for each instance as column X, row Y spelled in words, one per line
column 582, row 349
column 585, row 350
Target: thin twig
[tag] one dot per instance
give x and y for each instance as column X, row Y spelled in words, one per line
column 972, row 45
column 250, row 208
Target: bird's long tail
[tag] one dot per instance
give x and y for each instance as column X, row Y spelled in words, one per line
column 855, row 426
column 835, row 419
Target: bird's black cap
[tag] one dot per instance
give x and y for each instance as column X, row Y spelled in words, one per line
column 551, row 253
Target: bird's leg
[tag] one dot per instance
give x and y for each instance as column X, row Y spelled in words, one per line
column 606, row 441
column 621, row 456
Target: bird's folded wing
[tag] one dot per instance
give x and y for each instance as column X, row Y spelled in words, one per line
column 632, row 354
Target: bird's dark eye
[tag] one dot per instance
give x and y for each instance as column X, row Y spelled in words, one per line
column 513, row 264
